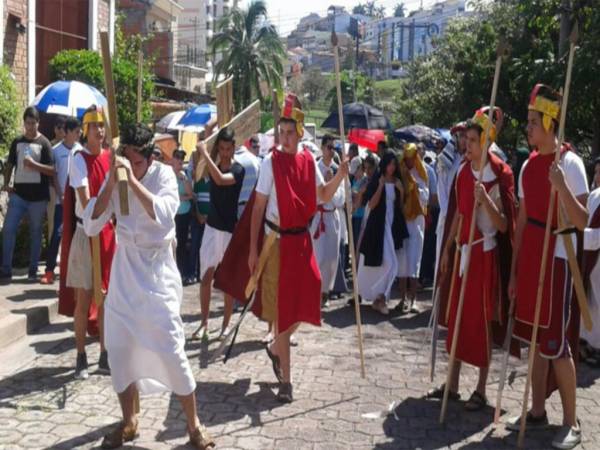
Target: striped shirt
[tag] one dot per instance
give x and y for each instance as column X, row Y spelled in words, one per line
column 251, row 165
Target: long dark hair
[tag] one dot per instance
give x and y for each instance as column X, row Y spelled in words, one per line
column 387, row 157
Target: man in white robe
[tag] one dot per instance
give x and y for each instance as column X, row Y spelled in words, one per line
column 326, row 225
column 143, row 326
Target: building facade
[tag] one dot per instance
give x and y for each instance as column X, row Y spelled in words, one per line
column 33, row 31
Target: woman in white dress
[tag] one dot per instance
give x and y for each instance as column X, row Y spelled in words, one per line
column 384, row 231
column 143, row 327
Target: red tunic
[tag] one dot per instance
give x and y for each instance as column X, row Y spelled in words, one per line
column 556, row 306
column 486, row 304
column 97, row 167
column 299, row 277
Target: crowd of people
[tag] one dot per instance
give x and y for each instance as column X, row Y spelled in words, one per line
column 280, row 215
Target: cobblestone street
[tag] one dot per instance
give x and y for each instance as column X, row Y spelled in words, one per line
column 42, row 406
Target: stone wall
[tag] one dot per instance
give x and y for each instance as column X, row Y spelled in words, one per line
column 15, row 43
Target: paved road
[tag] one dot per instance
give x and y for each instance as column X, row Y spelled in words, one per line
column 42, row 406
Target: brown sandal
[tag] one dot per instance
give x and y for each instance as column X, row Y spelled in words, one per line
column 201, row 439
column 276, row 364
column 476, row 402
column 121, row 434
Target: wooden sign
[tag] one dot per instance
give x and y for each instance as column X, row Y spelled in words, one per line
column 225, row 102
column 244, row 125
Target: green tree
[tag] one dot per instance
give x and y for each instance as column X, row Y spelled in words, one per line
column 86, row 66
column 400, row 10
column 10, row 116
column 355, row 87
column 370, row 9
column 455, row 80
column 251, row 50
column 316, row 85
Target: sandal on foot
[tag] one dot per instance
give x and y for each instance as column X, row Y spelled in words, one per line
column 476, row 402
column 121, row 434
column 533, row 422
column 276, row 364
column 201, row 439
column 285, row 393
column 438, row 393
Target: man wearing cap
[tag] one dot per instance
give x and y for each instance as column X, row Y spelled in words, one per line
column 87, row 171
column 144, row 330
column 558, row 334
column 416, row 197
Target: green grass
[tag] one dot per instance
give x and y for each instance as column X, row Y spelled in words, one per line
column 387, row 88
column 315, row 116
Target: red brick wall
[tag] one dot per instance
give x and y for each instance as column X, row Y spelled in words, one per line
column 15, row 44
column 103, row 16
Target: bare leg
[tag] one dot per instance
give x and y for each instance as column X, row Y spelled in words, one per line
column 539, row 376
column 281, row 348
column 188, row 404
column 127, row 401
column 567, row 386
column 402, row 288
column 83, row 299
column 205, row 292
column 228, row 311
column 101, row 326
column 484, row 371
column 412, row 289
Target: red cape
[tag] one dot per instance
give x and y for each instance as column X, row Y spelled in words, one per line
column 98, row 167
column 299, row 277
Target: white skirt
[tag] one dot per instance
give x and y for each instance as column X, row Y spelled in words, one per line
column 327, row 248
column 143, row 327
column 212, row 249
column 409, row 256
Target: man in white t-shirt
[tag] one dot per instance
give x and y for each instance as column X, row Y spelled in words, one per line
column 61, row 154
column 556, row 326
column 289, row 187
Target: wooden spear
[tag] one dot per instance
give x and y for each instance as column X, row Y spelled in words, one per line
column 553, row 200
column 499, row 55
column 140, row 83
column 334, row 42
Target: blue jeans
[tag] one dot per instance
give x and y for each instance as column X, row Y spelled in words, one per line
column 54, row 244
column 17, row 208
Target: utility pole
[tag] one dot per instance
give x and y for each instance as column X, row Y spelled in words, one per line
column 392, row 46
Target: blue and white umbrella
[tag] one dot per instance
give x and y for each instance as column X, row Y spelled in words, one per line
column 196, row 117
column 69, row 98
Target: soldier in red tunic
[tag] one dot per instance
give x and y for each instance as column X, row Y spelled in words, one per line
column 558, row 334
column 485, row 305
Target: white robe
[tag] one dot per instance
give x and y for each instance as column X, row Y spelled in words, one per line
column 591, row 241
column 142, row 323
column 409, row 256
column 376, row 281
column 327, row 245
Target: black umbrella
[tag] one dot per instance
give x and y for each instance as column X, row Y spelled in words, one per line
column 358, row 115
column 418, row 133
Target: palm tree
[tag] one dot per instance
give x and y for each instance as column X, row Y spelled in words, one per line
column 251, row 50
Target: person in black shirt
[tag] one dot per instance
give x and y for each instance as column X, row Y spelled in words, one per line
column 30, row 156
column 225, row 186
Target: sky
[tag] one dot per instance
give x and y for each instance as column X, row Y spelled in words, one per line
column 286, row 14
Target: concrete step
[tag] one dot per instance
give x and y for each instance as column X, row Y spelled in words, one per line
column 25, row 307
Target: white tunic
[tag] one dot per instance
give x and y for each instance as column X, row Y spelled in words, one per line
column 376, row 281
column 327, row 244
column 142, row 326
column 591, row 241
column 409, row 256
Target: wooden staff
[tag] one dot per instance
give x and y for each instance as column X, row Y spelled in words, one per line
column 435, row 333
column 276, row 116
column 334, row 41
column 505, row 356
column 113, row 121
column 140, row 85
column 548, row 230
column 499, row 54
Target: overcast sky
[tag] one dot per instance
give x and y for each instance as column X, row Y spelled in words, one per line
column 285, row 14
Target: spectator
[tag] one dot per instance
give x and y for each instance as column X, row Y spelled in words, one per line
column 183, row 217
column 381, row 148
column 61, row 153
column 359, row 188
column 255, row 145
column 31, row 157
column 433, row 210
column 59, row 130
column 250, row 163
column 200, row 208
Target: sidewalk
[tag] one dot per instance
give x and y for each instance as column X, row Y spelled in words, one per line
column 42, row 406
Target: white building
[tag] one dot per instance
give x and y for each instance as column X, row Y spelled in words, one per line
column 403, row 39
